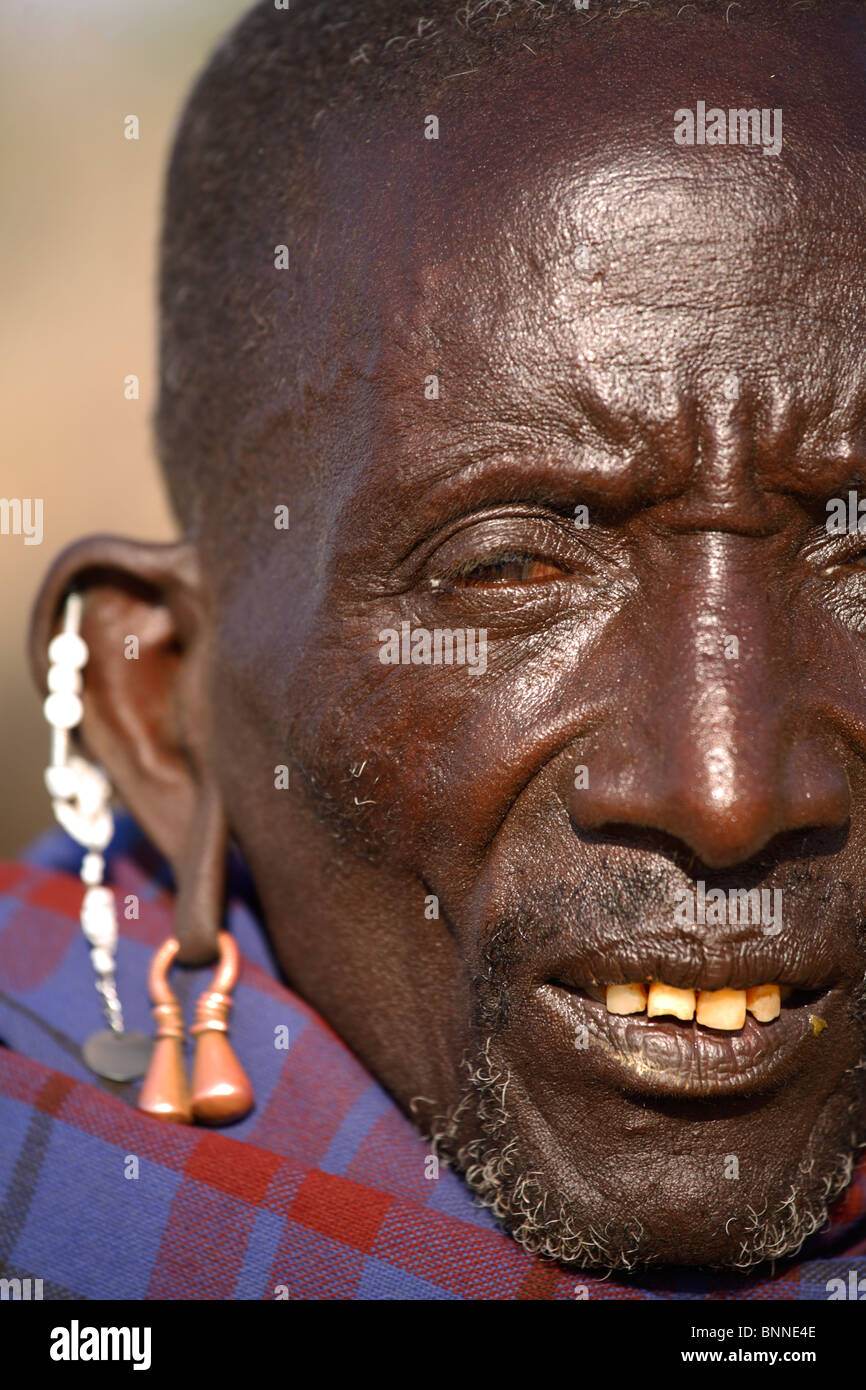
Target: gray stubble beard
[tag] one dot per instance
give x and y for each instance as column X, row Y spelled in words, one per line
column 546, row 1224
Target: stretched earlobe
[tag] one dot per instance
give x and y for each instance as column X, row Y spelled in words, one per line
column 201, row 873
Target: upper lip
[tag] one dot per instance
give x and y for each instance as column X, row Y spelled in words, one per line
column 687, row 963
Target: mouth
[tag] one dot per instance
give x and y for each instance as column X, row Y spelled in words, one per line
column 710, row 1037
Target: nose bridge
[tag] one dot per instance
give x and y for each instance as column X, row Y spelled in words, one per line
column 719, row 715
column 715, row 750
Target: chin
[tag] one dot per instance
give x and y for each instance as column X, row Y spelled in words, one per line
column 608, row 1183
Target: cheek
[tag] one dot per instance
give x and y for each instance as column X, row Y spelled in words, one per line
column 428, row 753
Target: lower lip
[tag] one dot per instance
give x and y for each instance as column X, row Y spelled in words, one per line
column 664, row 1057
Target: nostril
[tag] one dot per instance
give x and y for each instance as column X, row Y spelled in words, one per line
column 719, row 832
column 691, row 851
column 751, row 870
column 723, row 798
column 636, row 837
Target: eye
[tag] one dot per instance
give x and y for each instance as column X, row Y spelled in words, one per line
column 849, row 559
column 511, row 567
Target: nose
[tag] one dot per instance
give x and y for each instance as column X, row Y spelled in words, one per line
column 711, row 737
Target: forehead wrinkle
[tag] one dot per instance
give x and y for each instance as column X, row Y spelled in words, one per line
column 630, row 425
column 643, row 420
column 542, row 397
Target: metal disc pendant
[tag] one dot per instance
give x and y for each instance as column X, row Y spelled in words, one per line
column 118, row 1056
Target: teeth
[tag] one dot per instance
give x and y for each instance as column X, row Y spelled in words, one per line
column 665, row 999
column 626, row 999
column 765, row 1002
column 722, row 1008
column 713, row 1008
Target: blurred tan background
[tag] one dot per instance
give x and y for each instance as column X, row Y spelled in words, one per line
column 80, row 216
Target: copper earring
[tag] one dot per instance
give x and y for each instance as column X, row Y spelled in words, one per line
column 221, row 1091
column 165, row 1091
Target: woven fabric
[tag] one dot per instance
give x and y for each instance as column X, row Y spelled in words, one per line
column 321, row 1193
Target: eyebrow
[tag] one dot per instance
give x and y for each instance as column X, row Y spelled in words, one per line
column 553, row 477
column 819, row 481
column 562, row 440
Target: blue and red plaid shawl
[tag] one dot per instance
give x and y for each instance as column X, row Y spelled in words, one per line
column 320, row 1193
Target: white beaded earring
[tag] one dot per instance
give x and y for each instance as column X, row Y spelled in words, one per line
column 81, row 800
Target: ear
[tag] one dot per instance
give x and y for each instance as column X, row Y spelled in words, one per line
column 148, row 627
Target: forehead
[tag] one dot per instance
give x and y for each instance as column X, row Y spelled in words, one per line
column 568, row 269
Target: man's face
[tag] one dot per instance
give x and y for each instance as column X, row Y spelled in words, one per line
column 650, row 382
